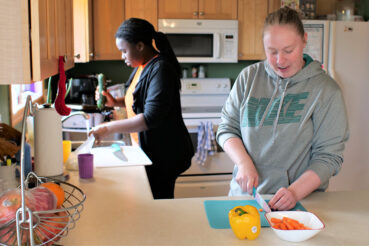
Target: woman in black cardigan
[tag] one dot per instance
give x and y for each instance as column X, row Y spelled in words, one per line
column 153, row 105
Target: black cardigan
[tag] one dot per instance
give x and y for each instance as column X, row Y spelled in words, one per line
column 157, row 96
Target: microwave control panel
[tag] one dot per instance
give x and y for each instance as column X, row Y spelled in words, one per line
column 229, row 42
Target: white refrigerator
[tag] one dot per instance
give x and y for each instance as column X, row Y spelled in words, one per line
column 343, row 49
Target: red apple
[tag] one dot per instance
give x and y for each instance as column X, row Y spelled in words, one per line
column 9, row 204
column 43, row 198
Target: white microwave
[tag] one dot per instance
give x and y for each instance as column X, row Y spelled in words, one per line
column 202, row 41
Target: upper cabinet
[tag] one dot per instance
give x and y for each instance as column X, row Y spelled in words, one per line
column 143, row 9
column 274, row 5
column 107, row 17
column 83, row 30
column 197, row 9
column 96, row 22
column 33, row 36
column 251, row 16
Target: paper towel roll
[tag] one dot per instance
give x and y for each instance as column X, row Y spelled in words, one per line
column 48, row 142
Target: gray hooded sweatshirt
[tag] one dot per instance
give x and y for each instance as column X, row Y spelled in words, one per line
column 287, row 125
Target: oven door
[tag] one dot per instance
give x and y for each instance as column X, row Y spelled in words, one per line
column 216, row 164
column 210, row 179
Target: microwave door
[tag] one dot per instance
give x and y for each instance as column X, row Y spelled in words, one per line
column 193, row 47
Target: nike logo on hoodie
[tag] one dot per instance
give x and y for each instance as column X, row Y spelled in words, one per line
column 255, row 108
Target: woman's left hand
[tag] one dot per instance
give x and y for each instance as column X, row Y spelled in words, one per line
column 283, row 199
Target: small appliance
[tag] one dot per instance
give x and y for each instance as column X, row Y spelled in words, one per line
column 82, row 91
column 202, row 41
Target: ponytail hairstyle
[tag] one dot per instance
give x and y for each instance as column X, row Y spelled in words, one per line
column 135, row 30
column 285, row 16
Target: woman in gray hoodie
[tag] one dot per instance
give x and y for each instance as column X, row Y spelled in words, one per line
column 284, row 124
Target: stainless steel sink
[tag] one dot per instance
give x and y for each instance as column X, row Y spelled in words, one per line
column 78, row 138
column 76, row 144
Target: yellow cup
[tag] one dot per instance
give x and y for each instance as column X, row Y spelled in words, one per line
column 67, row 149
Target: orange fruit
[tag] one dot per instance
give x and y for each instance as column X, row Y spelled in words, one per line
column 57, row 190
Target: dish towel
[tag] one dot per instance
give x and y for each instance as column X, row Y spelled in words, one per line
column 206, row 144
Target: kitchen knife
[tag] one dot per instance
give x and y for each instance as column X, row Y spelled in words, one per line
column 260, row 200
column 118, row 152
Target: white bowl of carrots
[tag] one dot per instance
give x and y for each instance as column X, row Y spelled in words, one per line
column 294, row 226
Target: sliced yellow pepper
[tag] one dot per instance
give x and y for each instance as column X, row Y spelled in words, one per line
column 245, row 222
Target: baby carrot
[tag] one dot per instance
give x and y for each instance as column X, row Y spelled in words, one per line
column 283, row 226
column 292, row 220
column 287, row 223
column 289, row 226
column 296, row 225
column 275, row 220
column 277, row 226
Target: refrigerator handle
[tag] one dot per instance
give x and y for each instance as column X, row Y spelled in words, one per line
column 332, row 49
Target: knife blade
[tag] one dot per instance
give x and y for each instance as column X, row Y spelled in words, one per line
column 263, row 204
column 118, row 152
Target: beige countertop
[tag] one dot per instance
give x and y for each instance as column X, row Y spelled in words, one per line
column 119, row 210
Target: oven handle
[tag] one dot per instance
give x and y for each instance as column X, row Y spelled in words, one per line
column 195, row 129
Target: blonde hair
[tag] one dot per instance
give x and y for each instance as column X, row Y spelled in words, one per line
column 285, row 16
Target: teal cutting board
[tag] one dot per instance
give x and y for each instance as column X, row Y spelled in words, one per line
column 217, row 211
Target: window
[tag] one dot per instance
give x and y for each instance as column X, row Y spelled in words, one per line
column 18, row 95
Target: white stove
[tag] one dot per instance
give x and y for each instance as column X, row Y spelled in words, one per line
column 202, row 100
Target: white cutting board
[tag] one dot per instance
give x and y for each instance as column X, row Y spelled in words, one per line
column 104, row 157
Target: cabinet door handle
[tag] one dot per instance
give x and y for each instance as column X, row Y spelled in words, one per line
column 77, row 56
column 91, row 54
column 195, row 13
column 202, row 13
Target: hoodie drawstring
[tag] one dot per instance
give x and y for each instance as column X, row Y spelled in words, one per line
column 279, row 109
column 279, row 106
column 269, row 104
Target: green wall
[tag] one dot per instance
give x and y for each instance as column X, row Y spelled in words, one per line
column 362, row 7
column 118, row 72
column 4, row 103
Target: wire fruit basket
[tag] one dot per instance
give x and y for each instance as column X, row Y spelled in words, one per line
column 39, row 226
column 48, row 226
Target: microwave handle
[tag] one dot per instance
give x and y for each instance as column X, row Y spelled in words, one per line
column 217, row 45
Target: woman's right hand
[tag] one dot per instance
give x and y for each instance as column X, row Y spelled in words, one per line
column 99, row 132
column 247, row 177
column 110, row 100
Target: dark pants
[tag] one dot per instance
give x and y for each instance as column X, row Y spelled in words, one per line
column 162, row 178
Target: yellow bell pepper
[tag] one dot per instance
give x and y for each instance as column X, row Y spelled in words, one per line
column 245, row 222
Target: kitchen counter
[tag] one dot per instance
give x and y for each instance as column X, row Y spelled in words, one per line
column 120, row 210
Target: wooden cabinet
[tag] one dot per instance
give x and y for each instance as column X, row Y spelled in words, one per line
column 273, row 5
column 251, row 16
column 96, row 22
column 83, row 30
column 107, row 17
column 144, row 9
column 28, row 56
column 197, row 9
